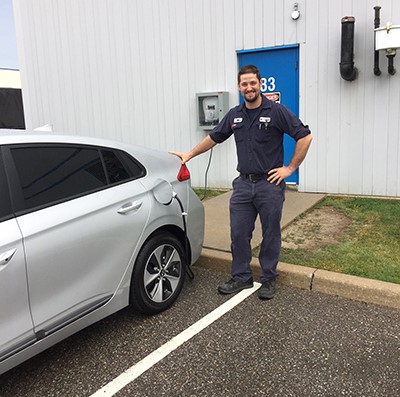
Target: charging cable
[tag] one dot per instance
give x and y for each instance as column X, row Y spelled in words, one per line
column 206, row 175
column 189, row 271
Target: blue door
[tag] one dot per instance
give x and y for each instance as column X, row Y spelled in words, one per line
column 280, row 82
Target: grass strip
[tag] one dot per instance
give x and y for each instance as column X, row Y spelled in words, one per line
column 370, row 247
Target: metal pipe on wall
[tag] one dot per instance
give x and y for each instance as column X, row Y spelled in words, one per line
column 347, row 69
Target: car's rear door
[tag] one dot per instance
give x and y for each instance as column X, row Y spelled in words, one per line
column 77, row 249
column 15, row 318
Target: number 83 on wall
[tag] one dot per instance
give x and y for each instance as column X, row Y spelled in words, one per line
column 268, row 84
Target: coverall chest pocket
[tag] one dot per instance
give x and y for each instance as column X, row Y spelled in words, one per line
column 263, row 133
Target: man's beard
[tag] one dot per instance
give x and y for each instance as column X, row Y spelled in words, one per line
column 251, row 100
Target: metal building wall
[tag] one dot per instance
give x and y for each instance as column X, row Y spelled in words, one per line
column 356, row 124
column 129, row 69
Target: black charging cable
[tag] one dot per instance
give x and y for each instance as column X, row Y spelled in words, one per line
column 189, row 270
column 206, row 175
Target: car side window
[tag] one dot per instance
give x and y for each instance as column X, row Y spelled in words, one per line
column 5, row 203
column 54, row 173
column 120, row 166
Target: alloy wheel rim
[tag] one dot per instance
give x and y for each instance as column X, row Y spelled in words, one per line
column 162, row 273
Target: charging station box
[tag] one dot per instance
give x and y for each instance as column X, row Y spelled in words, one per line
column 211, row 108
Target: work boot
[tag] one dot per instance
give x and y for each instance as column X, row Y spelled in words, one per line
column 267, row 290
column 232, row 286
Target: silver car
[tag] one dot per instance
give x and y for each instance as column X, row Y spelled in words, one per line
column 87, row 226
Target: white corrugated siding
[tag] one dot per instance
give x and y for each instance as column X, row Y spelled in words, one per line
column 129, row 69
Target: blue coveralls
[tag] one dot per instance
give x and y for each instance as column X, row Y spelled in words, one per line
column 259, row 145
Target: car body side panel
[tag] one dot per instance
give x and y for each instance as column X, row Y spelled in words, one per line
column 194, row 218
column 15, row 317
column 78, row 251
column 195, row 224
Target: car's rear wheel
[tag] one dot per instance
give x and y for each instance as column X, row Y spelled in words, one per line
column 159, row 274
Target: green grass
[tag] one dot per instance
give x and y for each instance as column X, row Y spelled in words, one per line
column 371, row 246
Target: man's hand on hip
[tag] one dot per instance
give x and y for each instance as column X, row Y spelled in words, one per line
column 277, row 175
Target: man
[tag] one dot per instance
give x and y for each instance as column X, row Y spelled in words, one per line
column 258, row 126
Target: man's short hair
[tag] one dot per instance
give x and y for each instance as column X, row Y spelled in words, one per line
column 249, row 69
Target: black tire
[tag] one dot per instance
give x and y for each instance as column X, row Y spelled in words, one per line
column 158, row 275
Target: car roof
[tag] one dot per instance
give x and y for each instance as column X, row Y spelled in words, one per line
column 150, row 157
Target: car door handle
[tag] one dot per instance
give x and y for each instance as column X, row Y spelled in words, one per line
column 130, row 207
column 5, row 257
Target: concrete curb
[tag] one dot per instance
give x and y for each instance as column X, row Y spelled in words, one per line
column 338, row 284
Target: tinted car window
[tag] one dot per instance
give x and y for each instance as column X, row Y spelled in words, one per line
column 5, row 204
column 54, row 173
column 135, row 169
column 115, row 170
column 120, row 166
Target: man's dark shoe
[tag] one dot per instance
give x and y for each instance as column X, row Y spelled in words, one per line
column 232, row 286
column 267, row 290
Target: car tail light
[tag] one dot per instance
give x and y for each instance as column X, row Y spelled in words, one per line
column 183, row 174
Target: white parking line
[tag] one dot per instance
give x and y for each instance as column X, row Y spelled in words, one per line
column 153, row 358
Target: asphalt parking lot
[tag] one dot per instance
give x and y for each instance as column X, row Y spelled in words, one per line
column 301, row 343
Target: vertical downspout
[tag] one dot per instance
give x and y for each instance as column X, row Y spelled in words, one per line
column 347, row 69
